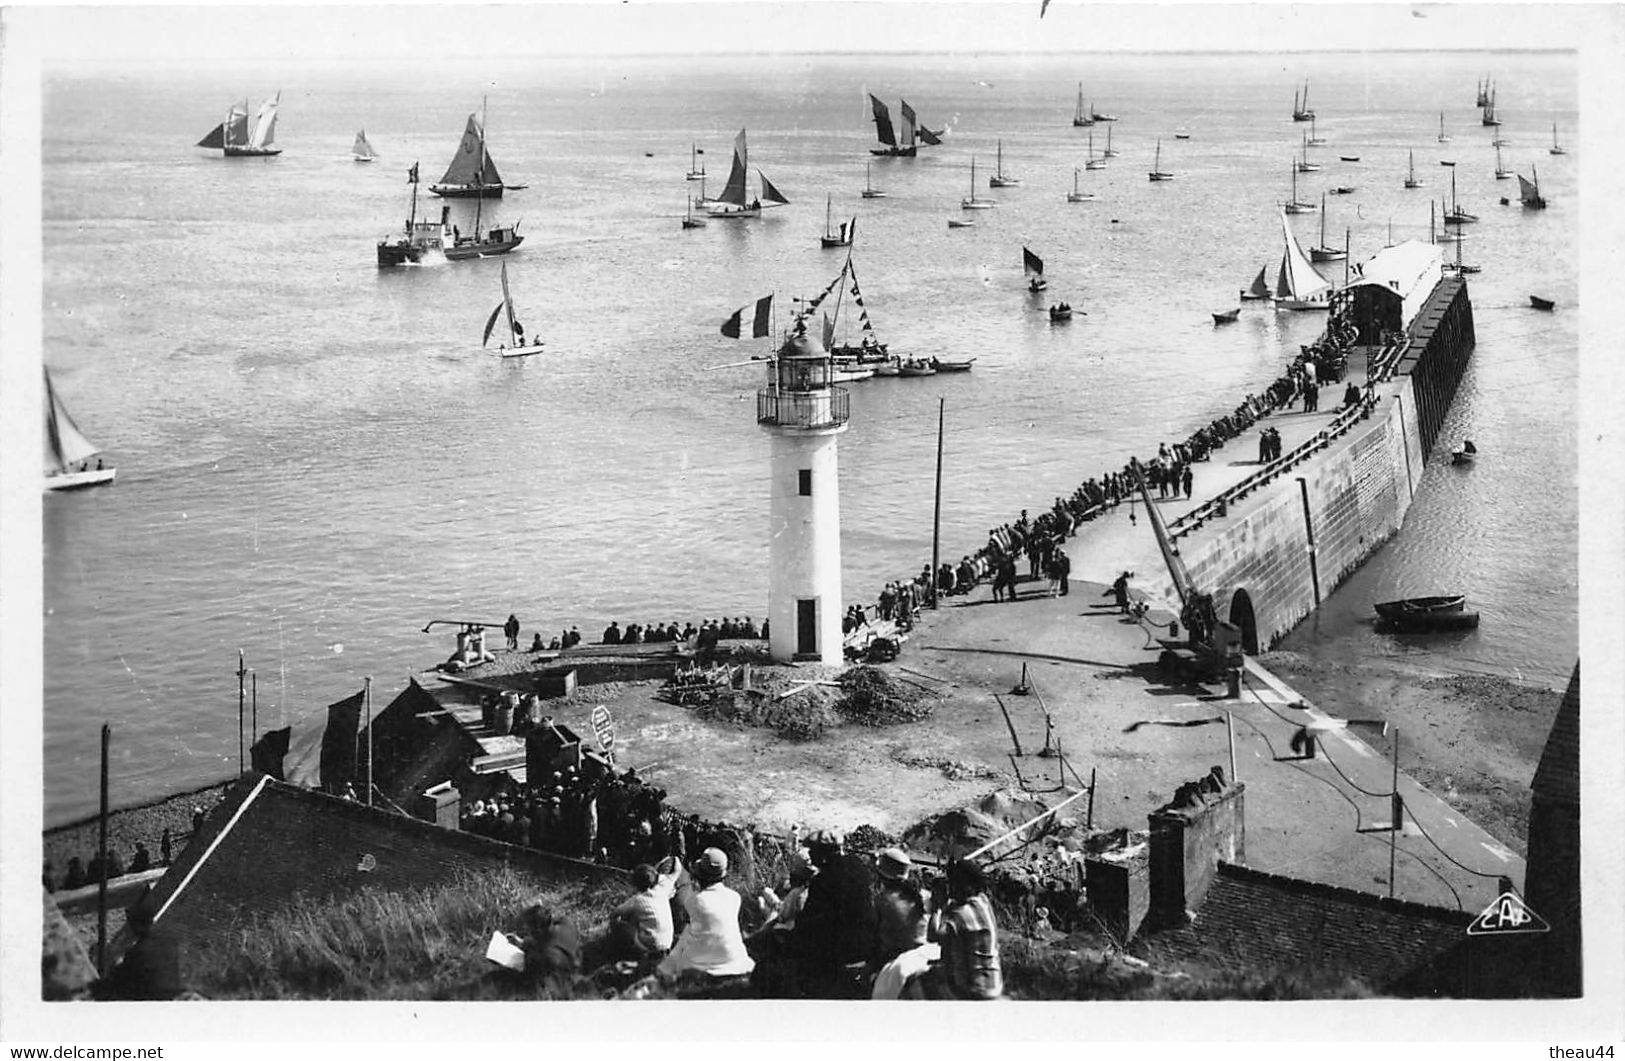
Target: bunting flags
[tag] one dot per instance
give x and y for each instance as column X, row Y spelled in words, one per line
column 759, row 326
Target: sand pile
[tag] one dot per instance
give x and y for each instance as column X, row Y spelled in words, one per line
column 871, row 697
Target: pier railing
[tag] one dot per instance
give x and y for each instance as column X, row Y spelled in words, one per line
column 1218, row 506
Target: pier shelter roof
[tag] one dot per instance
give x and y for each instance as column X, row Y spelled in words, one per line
column 1410, row 269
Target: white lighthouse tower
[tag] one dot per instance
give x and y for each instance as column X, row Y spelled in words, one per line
column 805, row 414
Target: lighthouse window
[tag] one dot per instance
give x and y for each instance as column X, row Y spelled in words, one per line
column 804, row 479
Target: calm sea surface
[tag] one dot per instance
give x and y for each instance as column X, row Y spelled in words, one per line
column 316, row 458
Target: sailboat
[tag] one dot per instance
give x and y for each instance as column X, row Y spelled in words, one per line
column 1556, row 148
column 66, row 446
column 1300, row 110
column 696, row 168
column 903, row 146
column 1000, row 179
column 970, row 202
column 1157, row 172
column 1483, row 93
column 869, row 354
column 1099, row 117
column 472, row 174
column 1297, row 285
column 731, row 203
column 515, row 346
column 1456, row 215
column 689, row 220
column 1501, row 172
column 361, row 151
column 237, row 139
column 1462, row 268
column 1529, row 191
column 1489, row 117
column 1304, row 165
column 1293, row 205
column 1093, row 163
column 1260, row 289
column 1325, row 253
column 420, row 238
column 1110, row 151
column 1314, row 140
column 1033, row 266
column 1443, row 139
column 1080, row 118
column 831, row 238
column 1075, row 195
column 1410, row 179
column 869, row 190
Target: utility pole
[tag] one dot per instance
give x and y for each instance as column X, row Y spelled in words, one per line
column 936, row 518
column 242, row 672
column 368, row 709
column 1398, row 822
column 101, row 858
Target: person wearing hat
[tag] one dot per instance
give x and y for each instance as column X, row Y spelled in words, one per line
column 835, row 931
column 902, row 952
column 552, row 949
column 969, row 936
column 712, row 944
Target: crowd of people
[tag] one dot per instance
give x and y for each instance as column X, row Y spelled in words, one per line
column 710, row 631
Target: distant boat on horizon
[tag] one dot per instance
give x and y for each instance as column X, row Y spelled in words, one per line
column 237, row 139
column 1157, row 172
column 361, row 150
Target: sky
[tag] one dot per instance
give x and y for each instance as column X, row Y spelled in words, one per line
column 129, row 34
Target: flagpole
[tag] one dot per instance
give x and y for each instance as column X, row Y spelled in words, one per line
column 368, row 708
column 936, row 518
column 241, row 673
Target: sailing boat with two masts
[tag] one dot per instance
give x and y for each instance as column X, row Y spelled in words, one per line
column 732, row 202
column 1000, row 179
column 472, row 173
column 1157, row 172
column 66, row 446
column 361, row 150
column 832, row 238
column 1297, row 285
column 1080, row 117
column 1300, row 110
column 1489, row 117
column 515, row 346
column 904, row 146
column 971, row 202
column 237, row 139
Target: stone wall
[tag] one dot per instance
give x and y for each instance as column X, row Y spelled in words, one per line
column 1187, row 844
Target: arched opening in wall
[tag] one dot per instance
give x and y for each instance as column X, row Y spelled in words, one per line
column 1241, row 614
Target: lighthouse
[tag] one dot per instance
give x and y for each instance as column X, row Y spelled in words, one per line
column 805, row 414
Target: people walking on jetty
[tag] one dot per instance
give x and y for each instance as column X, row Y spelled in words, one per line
column 1119, row 591
column 712, row 945
column 968, row 934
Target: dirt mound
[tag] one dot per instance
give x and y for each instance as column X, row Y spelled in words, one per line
column 802, row 715
column 871, row 697
column 964, row 829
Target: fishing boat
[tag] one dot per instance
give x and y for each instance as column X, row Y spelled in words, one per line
column 1304, row 165
column 732, row 202
column 689, row 220
column 1465, row 453
column 869, row 190
column 1099, row 117
column 1110, row 152
column 1443, row 139
column 1483, row 93
column 1410, row 179
column 1060, row 312
column 515, row 346
column 1000, row 179
column 361, row 150
column 1076, row 195
column 420, row 238
column 1260, row 289
column 970, row 202
column 1091, row 162
column 1081, row 118
column 914, row 366
column 1453, row 602
column 696, row 168
column 1033, row 266
column 1297, row 285
column 1456, row 215
column 1349, row 158
column 1182, row 136
column 1556, row 148
column 1325, row 252
column 957, row 223
column 1315, row 140
column 1489, row 117
column 236, row 138
column 1300, row 110
column 1229, row 316
column 1529, row 191
column 1343, row 189
column 472, row 173
column 1536, row 302
column 832, row 238
column 1157, row 172
column 1501, row 172
column 948, row 365
column 66, row 446
column 913, row 134
column 1294, row 205
column 868, row 351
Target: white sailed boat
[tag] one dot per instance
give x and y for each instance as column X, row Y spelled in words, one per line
column 1443, row 139
column 1324, row 252
column 1556, row 148
column 1304, row 165
column 970, row 202
column 1501, row 172
column 696, row 168
column 1293, row 206
column 732, row 202
column 1297, row 285
column 361, row 150
column 1000, row 179
column 1110, row 152
column 1410, row 179
column 1093, row 163
column 869, row 190
column 515, row 346
column 66, row 446
column 1075, row 195
column 238, row 139
column 1157, row 172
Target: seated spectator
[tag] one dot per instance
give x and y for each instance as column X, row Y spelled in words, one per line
column 641, row 927
column 552, row 949
column 712, row 944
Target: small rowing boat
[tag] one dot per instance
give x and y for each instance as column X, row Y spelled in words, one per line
column 1410, row 606
column 1541, row 303
column 952, row 366
column 1228, row 316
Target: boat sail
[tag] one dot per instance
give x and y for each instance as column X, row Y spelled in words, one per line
column 1556, row 148
column 887, row 134
column 1324, row 252
column 66, row 446
column 1483, row 93
column 361, row 150
column 1501, row 172
column 1110, row 151
column 1093, row 163
column 1080, row 117
column 1529, row 191
column 237, row 139
column 1297, row 285
column 1033, row 266
column 1157, row 172
column 1293, row 206
column 1489, row 117
column 472, row 174
column 1000, row 179
column 1260, row 289
column 732, row 202
column 832, row 238
column 1410, row 179
column 970, row 202
column 869, row 190
column 1300, row 110
column 696, row 168
column 515, row 346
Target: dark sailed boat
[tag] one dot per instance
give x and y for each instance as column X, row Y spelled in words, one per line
column 472, row 174
column 904, row 146
column 237, row 139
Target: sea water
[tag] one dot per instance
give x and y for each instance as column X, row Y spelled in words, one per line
column 316, row 458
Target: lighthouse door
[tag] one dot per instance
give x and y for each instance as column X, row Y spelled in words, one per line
column 807, row 627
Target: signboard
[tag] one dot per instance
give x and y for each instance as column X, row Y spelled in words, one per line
column 1507, row 916
column 603, row 727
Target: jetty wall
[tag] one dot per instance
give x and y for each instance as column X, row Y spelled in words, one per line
column 1309, row 523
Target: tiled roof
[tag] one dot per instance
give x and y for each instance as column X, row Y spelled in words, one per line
column 1557, row 777
column 1261, row 923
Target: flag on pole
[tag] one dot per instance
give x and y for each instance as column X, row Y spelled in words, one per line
column 412, row 174
column 734, row 325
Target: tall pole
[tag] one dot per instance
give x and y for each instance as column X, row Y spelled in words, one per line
column 936, row 518
column 101, row 852
column 241, row 673
column 1230, row 732
column 254, row 710
column 1393, row 834
column 367, row 707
